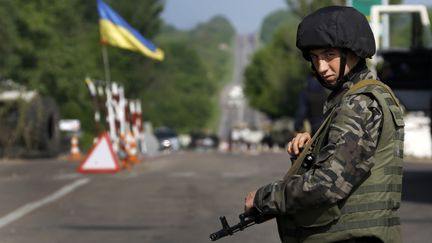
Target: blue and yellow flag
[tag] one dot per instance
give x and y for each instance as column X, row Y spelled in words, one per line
column 114, row 30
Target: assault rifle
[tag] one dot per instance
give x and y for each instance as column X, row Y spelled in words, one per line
column 247, row 219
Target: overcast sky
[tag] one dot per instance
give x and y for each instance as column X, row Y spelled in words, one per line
column 245, row 15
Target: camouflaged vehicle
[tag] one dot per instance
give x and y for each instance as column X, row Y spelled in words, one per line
column 28, row 122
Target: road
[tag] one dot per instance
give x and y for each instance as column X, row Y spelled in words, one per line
column 237, row 112
column 169, row 198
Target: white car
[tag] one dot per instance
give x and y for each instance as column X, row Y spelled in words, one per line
column 168, row 139
column 235, row 96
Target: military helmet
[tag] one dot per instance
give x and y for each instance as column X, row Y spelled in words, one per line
column 337, row 27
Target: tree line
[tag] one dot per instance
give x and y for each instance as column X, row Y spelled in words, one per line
column 51, row 46
column 278, row 71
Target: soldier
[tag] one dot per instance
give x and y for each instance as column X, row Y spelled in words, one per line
column 310, row 105
column 349, row 188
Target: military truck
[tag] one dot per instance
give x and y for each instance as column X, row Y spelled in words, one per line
column 405, row 67
column 28, row 122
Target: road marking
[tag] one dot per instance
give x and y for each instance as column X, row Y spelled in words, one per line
column 238, row 174
column 29, row 207
column 185, row 174
column 69, row 176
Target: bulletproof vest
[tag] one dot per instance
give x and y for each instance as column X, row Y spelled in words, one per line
column 371, row 208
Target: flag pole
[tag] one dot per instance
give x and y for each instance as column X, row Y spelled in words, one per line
column 106, row 64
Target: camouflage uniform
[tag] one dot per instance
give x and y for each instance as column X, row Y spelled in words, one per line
column 349, row 149
column 343, row 163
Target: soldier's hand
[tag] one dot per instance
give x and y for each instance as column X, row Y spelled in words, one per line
column 249, row 200
column 297, row 143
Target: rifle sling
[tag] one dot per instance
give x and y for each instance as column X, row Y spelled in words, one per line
column 309, row 145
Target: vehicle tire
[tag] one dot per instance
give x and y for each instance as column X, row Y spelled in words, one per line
column 43, row 132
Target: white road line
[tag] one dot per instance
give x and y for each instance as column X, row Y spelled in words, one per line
column 238, row 174
column 185, row 174
column 69, row 176
column 29, row 207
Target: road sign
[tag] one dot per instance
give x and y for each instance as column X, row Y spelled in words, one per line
column 364, row 6
column 101, row 157
column 70, row 125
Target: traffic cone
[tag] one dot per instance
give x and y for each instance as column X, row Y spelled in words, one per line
column 132, row 149
column 122, row 153
column 75, row 153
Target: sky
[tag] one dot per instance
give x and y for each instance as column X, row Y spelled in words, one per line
column 245, row 15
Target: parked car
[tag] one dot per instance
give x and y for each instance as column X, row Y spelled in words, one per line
column 203, row 141
column 167, row 138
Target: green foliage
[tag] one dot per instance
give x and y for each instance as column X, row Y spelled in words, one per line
column 400, row 25
column 395, row 1
column 197, row 63
column 178, row 77
column 213, row 41
column 277, row 72
column 142, row 15
column 301, row 8
column 272, row 22
column 430, row 16
column 275, row 76
column 52, row 54
column 8, row 35
column 51, row 46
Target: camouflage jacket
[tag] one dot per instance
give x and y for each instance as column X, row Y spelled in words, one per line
column 349, row 151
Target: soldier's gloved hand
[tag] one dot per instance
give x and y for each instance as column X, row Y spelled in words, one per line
column 297, row 143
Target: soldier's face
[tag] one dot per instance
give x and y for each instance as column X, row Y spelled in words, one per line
column 327, row 63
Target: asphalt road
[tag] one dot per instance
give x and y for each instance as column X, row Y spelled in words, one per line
column 169, row 198
column 241, row 113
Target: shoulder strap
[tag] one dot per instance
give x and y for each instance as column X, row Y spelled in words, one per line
column 366, row 82
column 307, row 148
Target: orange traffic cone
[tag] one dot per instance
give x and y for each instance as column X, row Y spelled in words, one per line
column 122, row 153
column 132, row 148
column 75, row 153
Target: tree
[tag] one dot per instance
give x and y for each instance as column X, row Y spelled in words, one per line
column 278, row 71
column 196, row 66
column 273, row 22
column 8, row 36
column 275, row 75
column 178, row 97
column 51, row 46
column 303, row 7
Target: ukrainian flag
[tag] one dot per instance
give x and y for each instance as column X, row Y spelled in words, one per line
column 114, row 30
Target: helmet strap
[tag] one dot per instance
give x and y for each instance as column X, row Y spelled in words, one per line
column 343, row 61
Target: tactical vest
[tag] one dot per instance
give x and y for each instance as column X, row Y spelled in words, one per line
column 371, row 208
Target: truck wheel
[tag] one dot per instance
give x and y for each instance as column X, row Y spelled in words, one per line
column 42, row 122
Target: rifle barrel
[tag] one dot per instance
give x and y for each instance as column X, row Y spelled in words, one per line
column 227, row 230
column 247, row 219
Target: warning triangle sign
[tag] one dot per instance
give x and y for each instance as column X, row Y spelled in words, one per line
column 101, row 157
